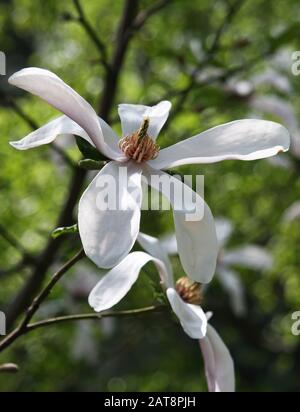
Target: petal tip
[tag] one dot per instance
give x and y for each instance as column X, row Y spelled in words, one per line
column 15, row 145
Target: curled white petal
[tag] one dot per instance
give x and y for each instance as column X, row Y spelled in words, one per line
column 53, row 90
column 191, row 317
column 196, row 239
column 246, row 139
column 119, row 280
column 48, row 133
column 219, row 367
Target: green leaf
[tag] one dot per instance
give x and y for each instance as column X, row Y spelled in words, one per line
column 90, row 164
column 88, row 150
column 64, row 230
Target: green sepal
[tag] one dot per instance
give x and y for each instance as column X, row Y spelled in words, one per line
column 88, row 150
column 90, row 164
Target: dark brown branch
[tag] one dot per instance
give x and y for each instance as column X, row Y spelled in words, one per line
column 48, row 255
column 124, row 33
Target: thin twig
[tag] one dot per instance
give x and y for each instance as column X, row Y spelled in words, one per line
column 211, row 52
column 22, row 328
column 95, row 316
column 78, row 317
column 92, row 34
column 144, row 15
column 47, row 289
column 232, row 11
column 45, row 259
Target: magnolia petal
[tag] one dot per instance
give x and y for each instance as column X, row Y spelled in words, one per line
column 169, row 243
column 247, row 139
column 58, row 94
column 191, row 317
column 119, row 280
column 219, row 367
column 109, row 213
column 153, row 246
column 112, row 140
column 196, row 235
column 250, row 256
column 49, row 132
column 235, row 289
column 132, row 116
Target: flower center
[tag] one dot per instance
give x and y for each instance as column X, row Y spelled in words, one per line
column 139, row 146
column 189, row 291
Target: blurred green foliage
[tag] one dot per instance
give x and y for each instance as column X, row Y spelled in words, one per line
column 152, row 353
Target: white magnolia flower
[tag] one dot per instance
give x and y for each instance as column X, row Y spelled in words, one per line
column 184, row 297
column 249, row 256
column 118, row 281
column 108, row 235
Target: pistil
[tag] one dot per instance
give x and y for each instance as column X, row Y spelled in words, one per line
column 189, row 291
column 139, row 146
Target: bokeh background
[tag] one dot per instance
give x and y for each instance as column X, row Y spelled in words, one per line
column 216, row 61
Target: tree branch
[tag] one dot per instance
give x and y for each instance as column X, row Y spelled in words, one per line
column 144, row 15
column 92, row 34
column 95, row 316
column 231, row 12
column 22, row 328
column 48, row 255
column 124, row 32
column 211, row 52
